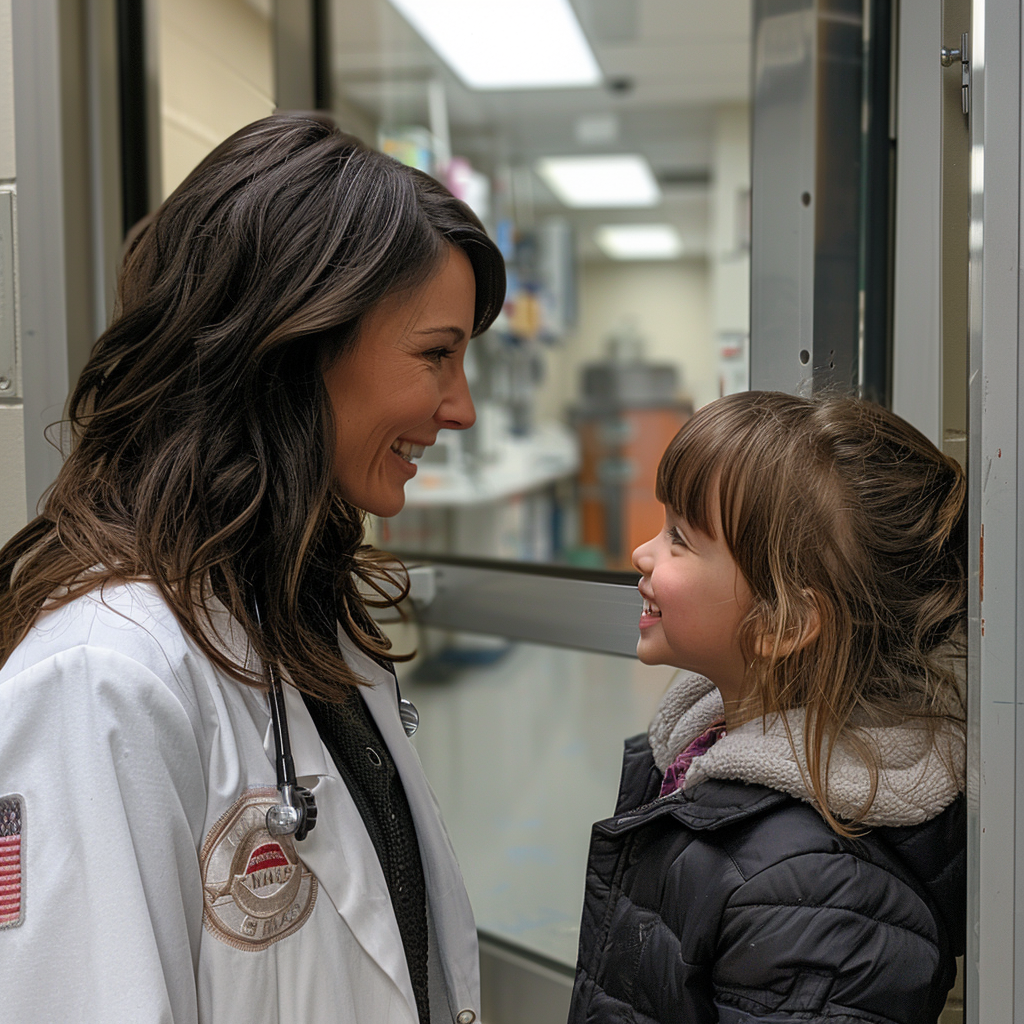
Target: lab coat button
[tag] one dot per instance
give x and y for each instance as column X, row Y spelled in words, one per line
column 465, row 1017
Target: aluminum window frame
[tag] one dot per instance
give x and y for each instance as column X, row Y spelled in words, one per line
column 546, row 604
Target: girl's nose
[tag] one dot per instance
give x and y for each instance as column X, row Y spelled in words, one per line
column 643, row 558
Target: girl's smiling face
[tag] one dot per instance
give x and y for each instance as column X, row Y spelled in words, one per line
column 695, row 599
column 400, row 385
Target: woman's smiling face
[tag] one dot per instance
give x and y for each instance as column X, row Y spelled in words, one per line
column 401, row 384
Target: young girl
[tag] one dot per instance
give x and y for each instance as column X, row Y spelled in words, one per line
column 789, row 840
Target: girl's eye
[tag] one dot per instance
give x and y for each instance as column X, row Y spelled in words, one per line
column 677, row 538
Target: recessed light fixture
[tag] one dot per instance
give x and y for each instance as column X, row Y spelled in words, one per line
column 639, row 241
column 600, row 181
column 506, row 44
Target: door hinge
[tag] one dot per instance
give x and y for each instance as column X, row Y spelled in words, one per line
column 950, row 57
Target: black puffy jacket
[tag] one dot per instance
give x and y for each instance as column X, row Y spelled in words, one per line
column 733, row 902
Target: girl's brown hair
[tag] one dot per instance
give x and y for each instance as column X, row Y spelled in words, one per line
column 844, row 518
column 202, row 433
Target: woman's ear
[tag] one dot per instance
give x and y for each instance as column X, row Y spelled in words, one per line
column 798, row 636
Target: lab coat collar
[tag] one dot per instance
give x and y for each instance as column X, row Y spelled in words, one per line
column 308, row 752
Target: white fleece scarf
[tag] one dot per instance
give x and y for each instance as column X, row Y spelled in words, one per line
column 913, row 782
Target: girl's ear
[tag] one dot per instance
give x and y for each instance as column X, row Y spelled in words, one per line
column 798, row 636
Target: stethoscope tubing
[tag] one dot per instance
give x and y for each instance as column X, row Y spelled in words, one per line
column 296, row 814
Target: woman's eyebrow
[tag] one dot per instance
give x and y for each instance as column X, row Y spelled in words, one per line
column 457, row 332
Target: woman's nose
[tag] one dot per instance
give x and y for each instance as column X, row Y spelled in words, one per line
column 456, row 411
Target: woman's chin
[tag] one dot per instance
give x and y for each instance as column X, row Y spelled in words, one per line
column 384, row 506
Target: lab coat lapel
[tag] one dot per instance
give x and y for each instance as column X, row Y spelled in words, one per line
column 448, row 901
column 339, row 850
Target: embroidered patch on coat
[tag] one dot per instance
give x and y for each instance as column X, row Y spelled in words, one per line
column 12, row 849
column 256, row 891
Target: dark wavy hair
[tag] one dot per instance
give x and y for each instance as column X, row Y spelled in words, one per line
column 850, row 528
column 202, row 437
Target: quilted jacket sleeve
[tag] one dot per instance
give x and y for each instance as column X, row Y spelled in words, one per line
column 827, row 936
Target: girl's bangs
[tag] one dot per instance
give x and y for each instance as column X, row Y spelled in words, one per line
column 705, row 457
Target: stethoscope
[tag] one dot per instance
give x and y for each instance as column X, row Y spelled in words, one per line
column 295, row 815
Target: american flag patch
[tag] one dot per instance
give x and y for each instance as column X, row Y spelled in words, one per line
column 12, row 836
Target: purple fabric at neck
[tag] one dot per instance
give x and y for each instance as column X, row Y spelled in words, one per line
column 675, row 775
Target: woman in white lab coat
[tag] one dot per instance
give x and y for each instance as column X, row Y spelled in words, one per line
column 290, row 335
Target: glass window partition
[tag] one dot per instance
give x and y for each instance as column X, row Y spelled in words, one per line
column 522, row 744
column 625, row 311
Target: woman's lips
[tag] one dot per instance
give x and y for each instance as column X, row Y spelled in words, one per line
column 407, row 450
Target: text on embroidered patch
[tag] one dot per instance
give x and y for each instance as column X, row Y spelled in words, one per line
column 256, row 890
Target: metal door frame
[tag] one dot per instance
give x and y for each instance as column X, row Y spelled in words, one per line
column 995, row 753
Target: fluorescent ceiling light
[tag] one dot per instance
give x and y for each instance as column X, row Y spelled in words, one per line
column 639, row 241
column 506, row 44
column 600, row 181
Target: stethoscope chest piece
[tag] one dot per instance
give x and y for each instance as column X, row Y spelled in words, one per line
column 295, row 816
column 409, row 715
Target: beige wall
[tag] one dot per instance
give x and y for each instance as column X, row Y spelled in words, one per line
column 12, row 425
column 13, row 515
column 216, row 75
column 668, row 305
column 6, row 94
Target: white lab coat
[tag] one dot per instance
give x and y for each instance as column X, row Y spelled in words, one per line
column 129, row 749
